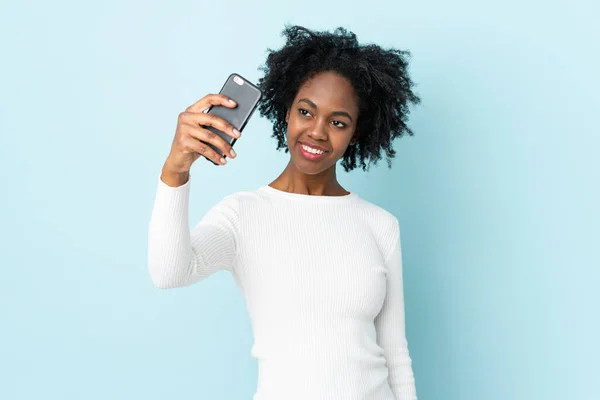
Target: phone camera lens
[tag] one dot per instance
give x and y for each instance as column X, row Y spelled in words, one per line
column 238, row 80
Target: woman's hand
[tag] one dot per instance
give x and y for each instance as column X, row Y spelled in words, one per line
column 187, row 144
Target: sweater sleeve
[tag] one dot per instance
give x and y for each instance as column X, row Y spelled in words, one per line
column 390, row 326
column 178, row 256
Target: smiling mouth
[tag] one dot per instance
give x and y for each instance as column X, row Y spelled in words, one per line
column 310, row 153
column 312, row 150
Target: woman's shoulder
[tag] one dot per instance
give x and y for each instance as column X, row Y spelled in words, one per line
column 384, row 225
column 242, row 196
column 378, row 213
column 239, row 199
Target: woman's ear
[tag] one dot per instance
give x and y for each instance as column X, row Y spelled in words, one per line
column 287, row 116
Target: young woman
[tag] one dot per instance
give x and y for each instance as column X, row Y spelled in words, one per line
column 320, row 267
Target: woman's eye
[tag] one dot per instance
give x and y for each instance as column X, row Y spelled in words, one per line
column 337, row 124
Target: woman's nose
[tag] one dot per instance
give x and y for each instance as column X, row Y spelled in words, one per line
column 319, row 130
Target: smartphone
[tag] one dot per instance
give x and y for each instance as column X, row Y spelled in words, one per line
column 247, row 96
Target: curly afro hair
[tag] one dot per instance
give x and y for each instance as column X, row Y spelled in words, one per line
column 379, row 77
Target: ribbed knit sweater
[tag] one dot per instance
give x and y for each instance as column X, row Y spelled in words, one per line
column 321, row 277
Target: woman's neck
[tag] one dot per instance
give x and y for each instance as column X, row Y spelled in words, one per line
column 322, row 184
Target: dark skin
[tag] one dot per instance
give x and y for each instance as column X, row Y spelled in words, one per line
column 324, row 113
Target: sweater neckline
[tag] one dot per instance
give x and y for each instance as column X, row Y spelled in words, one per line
column 308, row 197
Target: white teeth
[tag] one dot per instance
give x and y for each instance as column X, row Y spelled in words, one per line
column 311, row 150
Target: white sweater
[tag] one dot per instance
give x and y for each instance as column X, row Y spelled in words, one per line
column 322, row 280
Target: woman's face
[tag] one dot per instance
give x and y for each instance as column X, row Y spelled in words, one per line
column 321, row 122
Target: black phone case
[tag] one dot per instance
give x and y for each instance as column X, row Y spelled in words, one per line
column 247, row 96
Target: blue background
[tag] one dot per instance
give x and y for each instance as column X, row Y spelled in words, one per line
column 497, row 194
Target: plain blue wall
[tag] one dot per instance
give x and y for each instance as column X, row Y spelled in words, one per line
column 497, row 194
